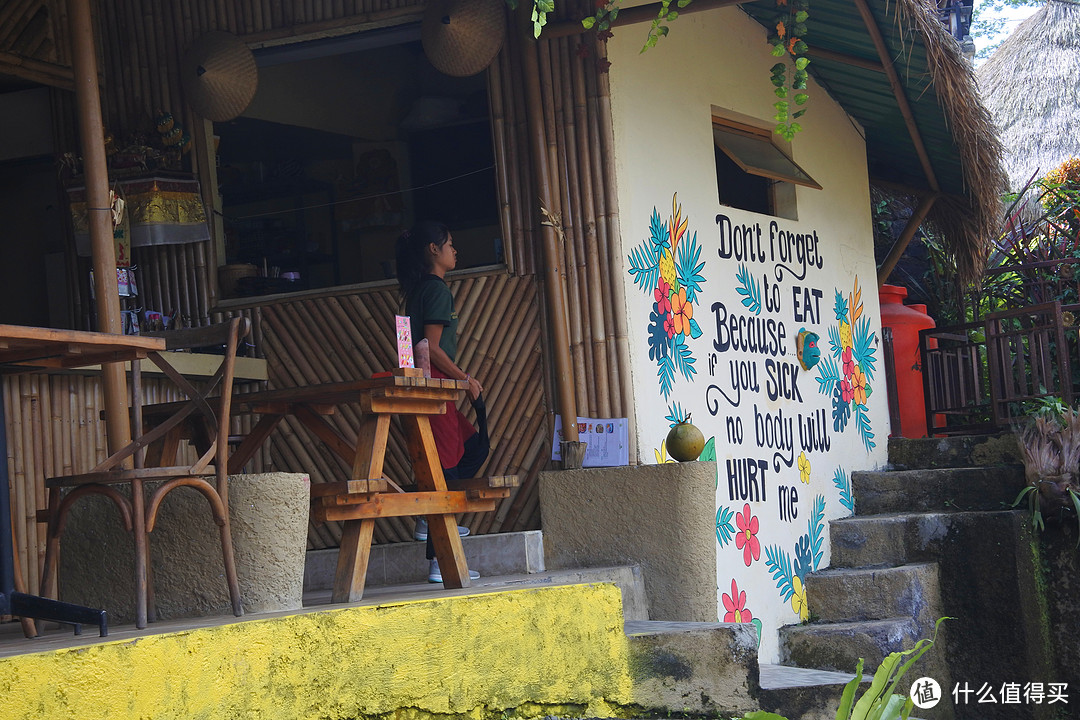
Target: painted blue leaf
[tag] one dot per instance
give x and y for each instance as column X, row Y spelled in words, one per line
column 695, row 329
column 804, row 563
column 817, row 530
column 828, row 375
column 645, row 266
column 688, row 267
column 841, row 411
column 839, row 306
column 676, row 414
column 658, row 233
column 836, row 347
column 779, row 564
column 749, row 288
column 666, row 373
column 862, row 421
column 683, row 357
column 843, row 484
column 863, row 350
column 725, row 531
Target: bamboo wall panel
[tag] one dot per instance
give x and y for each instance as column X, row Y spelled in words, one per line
column 54, row 427
column 339, row 338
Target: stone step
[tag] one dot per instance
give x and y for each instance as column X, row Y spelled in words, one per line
column 694, row 668
column 848, row 595
column 838, row 646
column 958, row 451
column 804, row 694
column 887, row 540
column 941, row 490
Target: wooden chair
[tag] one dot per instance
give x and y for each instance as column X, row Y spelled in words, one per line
column 206, row 414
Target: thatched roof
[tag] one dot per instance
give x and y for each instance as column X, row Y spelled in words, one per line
column 939, row 84
column 1031, row 85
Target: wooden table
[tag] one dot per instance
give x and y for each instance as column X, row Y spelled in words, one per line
column 27, row 349
column 359, row 501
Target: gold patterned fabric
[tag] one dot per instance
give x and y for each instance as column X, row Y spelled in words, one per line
column 163, row 211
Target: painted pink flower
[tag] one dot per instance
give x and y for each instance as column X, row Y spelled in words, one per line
column 846, row 391
column 735, row 604
column 662, row 296
column 849, row 363
column 669, row 325
column 746, row 539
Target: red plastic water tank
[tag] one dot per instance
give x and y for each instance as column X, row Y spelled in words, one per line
column 906, row 321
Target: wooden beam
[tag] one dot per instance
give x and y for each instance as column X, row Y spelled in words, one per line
column 844, row 58
column 38, row 71
column 898, row 92
column 901, row 243
column 630, row 16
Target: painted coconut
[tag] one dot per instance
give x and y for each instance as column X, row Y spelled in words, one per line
column 684, row 441
column 806, row 346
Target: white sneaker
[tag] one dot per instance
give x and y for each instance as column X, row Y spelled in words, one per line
column 435, row 574
column 420, row 532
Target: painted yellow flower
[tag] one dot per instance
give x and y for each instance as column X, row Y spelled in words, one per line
column 804, row 468
column 798, row 600
column 667, row 268
column 858, row 385
column 845, row 333
column 661, row 454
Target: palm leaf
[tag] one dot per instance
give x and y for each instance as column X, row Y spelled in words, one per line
column 688, row 267
column 779, row 564
column 749, row 288
column 724, row 529
column 862, row 421
column 839, row 307
column 836, row 347
column 863, row 350
column 843, row 484
column 683, row 357
column 645, row 266
column 658, row 233
column 828, row 375
column 817, row 530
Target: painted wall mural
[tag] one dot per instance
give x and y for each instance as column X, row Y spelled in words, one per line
column 762, row 334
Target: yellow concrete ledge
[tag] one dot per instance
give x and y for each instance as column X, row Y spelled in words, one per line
column 475, row 656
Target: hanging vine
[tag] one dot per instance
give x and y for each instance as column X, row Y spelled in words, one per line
column 790, row 28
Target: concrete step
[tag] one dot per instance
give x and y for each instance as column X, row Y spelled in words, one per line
column 838, row 646
column 941, row 490
column 694, row 668
column 875, row 593
column 887, row 540
column 959, row 451
column 804, row 694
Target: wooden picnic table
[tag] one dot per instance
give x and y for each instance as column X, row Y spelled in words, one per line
column 367, row 494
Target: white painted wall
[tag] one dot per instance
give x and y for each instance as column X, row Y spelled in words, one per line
column 661, row 107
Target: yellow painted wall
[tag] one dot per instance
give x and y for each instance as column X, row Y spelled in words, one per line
column 476, row 656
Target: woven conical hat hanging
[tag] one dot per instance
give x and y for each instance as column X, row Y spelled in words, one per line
column 219, row 76
column 462, row 37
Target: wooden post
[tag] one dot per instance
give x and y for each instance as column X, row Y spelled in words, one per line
column 917, row 216
column 553, row 271
column 103, row 252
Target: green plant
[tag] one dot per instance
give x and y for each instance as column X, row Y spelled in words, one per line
column 880, row 701
column 1050, row 445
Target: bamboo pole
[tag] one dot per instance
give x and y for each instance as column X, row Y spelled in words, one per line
column 554, row 276
column 103, row 251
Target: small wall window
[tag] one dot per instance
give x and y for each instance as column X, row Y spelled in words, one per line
column 754, row 174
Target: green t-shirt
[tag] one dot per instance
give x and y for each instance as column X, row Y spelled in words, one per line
column 431, row 303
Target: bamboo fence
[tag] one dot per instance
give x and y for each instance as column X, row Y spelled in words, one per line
column 504, row 328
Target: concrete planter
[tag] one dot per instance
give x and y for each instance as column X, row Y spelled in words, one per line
column 268, row 514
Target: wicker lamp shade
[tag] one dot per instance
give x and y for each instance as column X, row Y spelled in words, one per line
column 462, row 37
column 219, row 76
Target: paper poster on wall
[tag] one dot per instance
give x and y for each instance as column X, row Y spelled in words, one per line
column 404, row 342
column 607, row 441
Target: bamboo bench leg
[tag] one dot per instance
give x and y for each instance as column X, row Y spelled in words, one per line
column 353, row 560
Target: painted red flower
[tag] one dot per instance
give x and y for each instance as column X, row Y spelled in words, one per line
column 846, row 391
column 669, row 325
column 662, row 296
column 746, row 540
column 849, row 363
column 735, row 604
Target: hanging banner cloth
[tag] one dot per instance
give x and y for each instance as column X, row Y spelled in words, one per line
column 162, row 211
